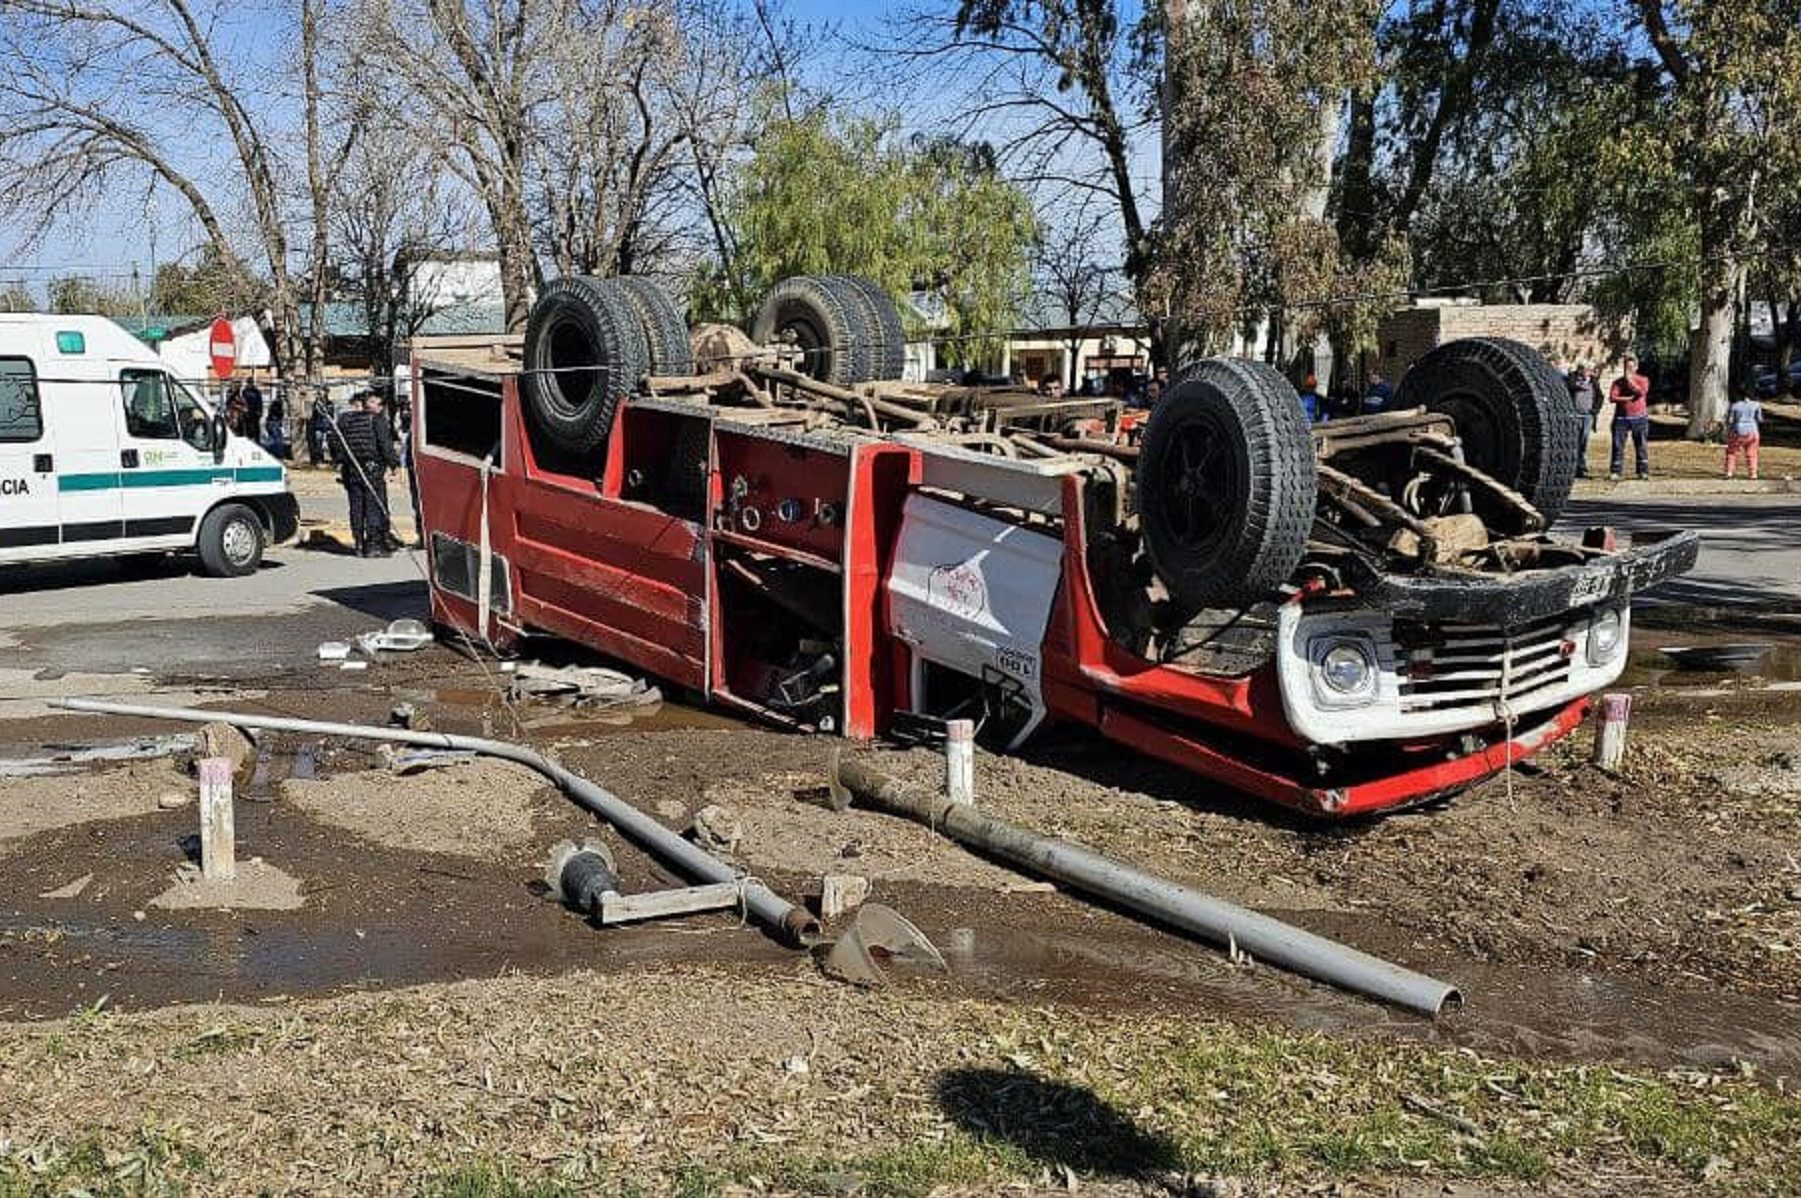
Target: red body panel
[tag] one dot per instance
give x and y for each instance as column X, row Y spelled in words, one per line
column 650, row 588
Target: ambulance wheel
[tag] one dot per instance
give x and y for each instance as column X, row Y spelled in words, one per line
column 824, row 319
column 882, row 324
column 231, row 541
column 665, row 331
column 1512, row 412
column 584, row 348
column 1226, row 484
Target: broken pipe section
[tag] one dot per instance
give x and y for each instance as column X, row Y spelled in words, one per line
column 1265, row 939
column 789, row 922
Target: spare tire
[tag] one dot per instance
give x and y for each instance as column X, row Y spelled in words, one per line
column 584, row 348
column 1226, row 484
column 882, row 325
column 825, row 318
column 665, row 331
column 1513, row 415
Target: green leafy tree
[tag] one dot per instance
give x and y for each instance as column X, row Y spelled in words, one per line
column 1730, row 133
column 822, row 194
column 79, row 294
column 1254, row 94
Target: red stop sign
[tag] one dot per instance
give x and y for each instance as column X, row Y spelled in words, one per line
column 222, row 347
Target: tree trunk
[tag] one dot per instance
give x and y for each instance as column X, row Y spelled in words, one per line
column 1356, row 195
column 1710, row 349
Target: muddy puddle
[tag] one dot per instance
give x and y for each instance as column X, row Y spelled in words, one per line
column 1648, row 666
column 377, row 918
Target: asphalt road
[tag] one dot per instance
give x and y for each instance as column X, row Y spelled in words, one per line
column 168, row 620
column 1750, row 544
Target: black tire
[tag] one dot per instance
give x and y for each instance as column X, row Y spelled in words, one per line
column 584, row 348
column 1513, row 414
column 825, row 319
column 1226, row 484
column 882, row 321
column 231, row 541
column 665, row 332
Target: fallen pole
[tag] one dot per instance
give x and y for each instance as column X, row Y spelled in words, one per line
column 1265, row 939
column 788, row 921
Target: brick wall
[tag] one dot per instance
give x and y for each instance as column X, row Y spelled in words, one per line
column 1564, row 333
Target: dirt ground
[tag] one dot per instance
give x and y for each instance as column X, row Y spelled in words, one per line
column 1673, row 456
column 427, row 1021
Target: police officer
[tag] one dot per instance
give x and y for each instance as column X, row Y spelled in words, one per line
column 367, row 452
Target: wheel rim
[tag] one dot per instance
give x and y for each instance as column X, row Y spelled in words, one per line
column 1484, row 440
column 810, row 341
column 239, row 541
column 1206, row 486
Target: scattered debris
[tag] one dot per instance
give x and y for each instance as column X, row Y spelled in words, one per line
column 581, row 876
column 716, row 829
column 408, row 716
column 581, row 686
column 333, row 651
column 840, row 894
column 172, row 800
column 412, row 761
column 69, row 891
column 618, row 908
column 879, row 939
column 1029, row 888
column 400, row 636
column 70, row 758
column 353, row 664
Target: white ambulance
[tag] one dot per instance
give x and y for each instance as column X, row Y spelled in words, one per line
column 104, row 454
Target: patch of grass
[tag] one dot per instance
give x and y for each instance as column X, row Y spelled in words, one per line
column 906, row 1171
column 496, row 1181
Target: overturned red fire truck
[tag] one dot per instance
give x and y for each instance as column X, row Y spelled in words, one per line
column 1342, row 619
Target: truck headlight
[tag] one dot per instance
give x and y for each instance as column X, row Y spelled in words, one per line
column 1344, row 671
column 1606, row 636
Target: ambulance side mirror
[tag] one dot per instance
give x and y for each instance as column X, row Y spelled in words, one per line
column 218, row 430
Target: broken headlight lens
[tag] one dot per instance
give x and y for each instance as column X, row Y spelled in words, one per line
column 1606, row 636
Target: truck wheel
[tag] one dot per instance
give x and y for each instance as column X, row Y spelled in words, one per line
column 1512, row 411
column 231, row 541
column 584, row 349
column 825, row 320
column 1226, row 484
column 882, row 323
column 665, row 332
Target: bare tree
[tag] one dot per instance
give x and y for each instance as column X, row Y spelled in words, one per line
column 85, row 103
column 1071, row 274
column 473, row 79
column 396, row 208
column 1055, row 86
column 610, row 142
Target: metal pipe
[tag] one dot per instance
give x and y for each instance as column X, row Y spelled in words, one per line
column 790, row 922
column 1265, row 939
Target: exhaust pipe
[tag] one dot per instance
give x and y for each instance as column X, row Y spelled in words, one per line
column 1160, row 900
column 792, row 924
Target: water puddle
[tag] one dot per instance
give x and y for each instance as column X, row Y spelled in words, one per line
column 1506, row 1012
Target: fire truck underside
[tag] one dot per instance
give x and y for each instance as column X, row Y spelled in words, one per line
column 830, row 557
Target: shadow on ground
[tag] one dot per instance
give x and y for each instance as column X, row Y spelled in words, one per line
column 1053, row 1123
column 382, row 600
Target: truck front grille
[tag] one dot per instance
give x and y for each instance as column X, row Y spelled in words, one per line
column 1448, row 666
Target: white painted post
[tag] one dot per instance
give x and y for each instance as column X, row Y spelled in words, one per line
column 218, row 856
column 960, row 761
column 1610, row 730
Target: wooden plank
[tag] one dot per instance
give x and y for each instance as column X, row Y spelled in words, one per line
column 659, row 904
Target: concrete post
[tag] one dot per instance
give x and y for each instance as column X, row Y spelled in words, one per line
column 218, row 853
column 1610, row 730
column 960, row 761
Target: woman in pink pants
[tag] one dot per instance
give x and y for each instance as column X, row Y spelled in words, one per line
column 1743, row 421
